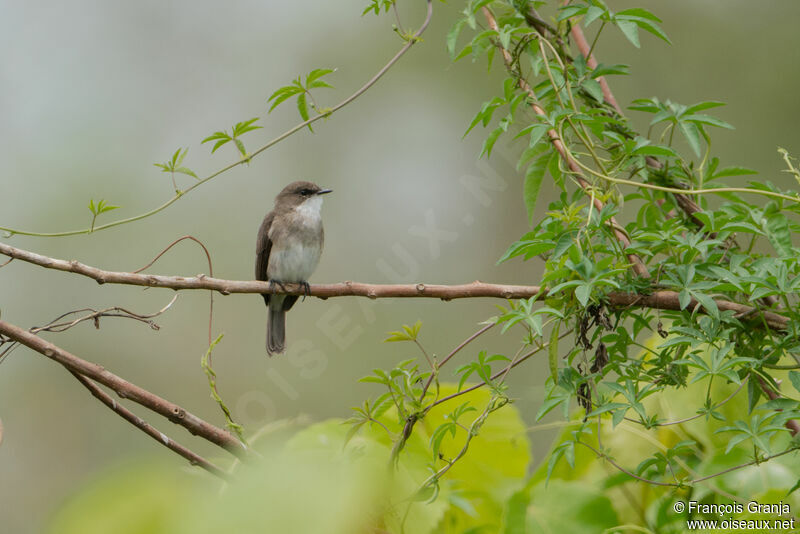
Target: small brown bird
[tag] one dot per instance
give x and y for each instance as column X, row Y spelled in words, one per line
column 288, row 248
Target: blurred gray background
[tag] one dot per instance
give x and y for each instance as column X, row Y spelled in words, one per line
column 92, row 93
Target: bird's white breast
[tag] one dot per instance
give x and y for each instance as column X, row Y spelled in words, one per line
column 295, row 252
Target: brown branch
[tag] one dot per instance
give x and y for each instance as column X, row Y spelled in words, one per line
column 637, row 264
column 125, row 389
column 662, row 300
column 142, row 425
column 591, row 62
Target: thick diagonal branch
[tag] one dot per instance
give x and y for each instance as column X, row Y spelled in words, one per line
column 125, row 389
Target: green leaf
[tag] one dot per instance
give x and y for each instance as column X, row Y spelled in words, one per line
column 409, row 333
column 316, row 74
column 187, row 171
column 655, row 29
column 630, row 30
column 592, row 14
column 302, row 107
column 794, row 377
column 692, row 135
column 452, row 37
column 105, row 208
column 564, row 243
column 700, row 106
column 779, row 234
column 240, row 146
column 640, row 13
column 219, row 144
column 706, row 119
column 594, row 89
column 583, row 292
column 533, row 183
column 490, row 141
column 243, row 127
column 552, row 351
column 283, row 94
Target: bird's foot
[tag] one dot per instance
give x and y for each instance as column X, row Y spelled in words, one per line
column 306, row 289
column 273, row 283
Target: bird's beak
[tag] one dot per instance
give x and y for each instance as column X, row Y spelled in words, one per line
column 324, row 191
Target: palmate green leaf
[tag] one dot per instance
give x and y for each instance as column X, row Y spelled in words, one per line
column 100, row 207
column 409, row 333
column 375, row 7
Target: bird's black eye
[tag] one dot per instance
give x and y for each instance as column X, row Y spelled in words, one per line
column 305, row 192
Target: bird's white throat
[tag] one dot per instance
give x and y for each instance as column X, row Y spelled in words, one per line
column 311, row 208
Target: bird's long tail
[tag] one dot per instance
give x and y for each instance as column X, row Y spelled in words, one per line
column 276, row 328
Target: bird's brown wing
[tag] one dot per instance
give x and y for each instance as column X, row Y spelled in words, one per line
column 263, row 248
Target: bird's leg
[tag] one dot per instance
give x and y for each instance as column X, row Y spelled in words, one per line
column 273, row 283
column 306, row 289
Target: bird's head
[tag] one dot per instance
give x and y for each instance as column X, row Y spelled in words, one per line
column 298, row 193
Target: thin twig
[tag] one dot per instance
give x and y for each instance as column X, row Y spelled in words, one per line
column 453, row 353
column 501, row 372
